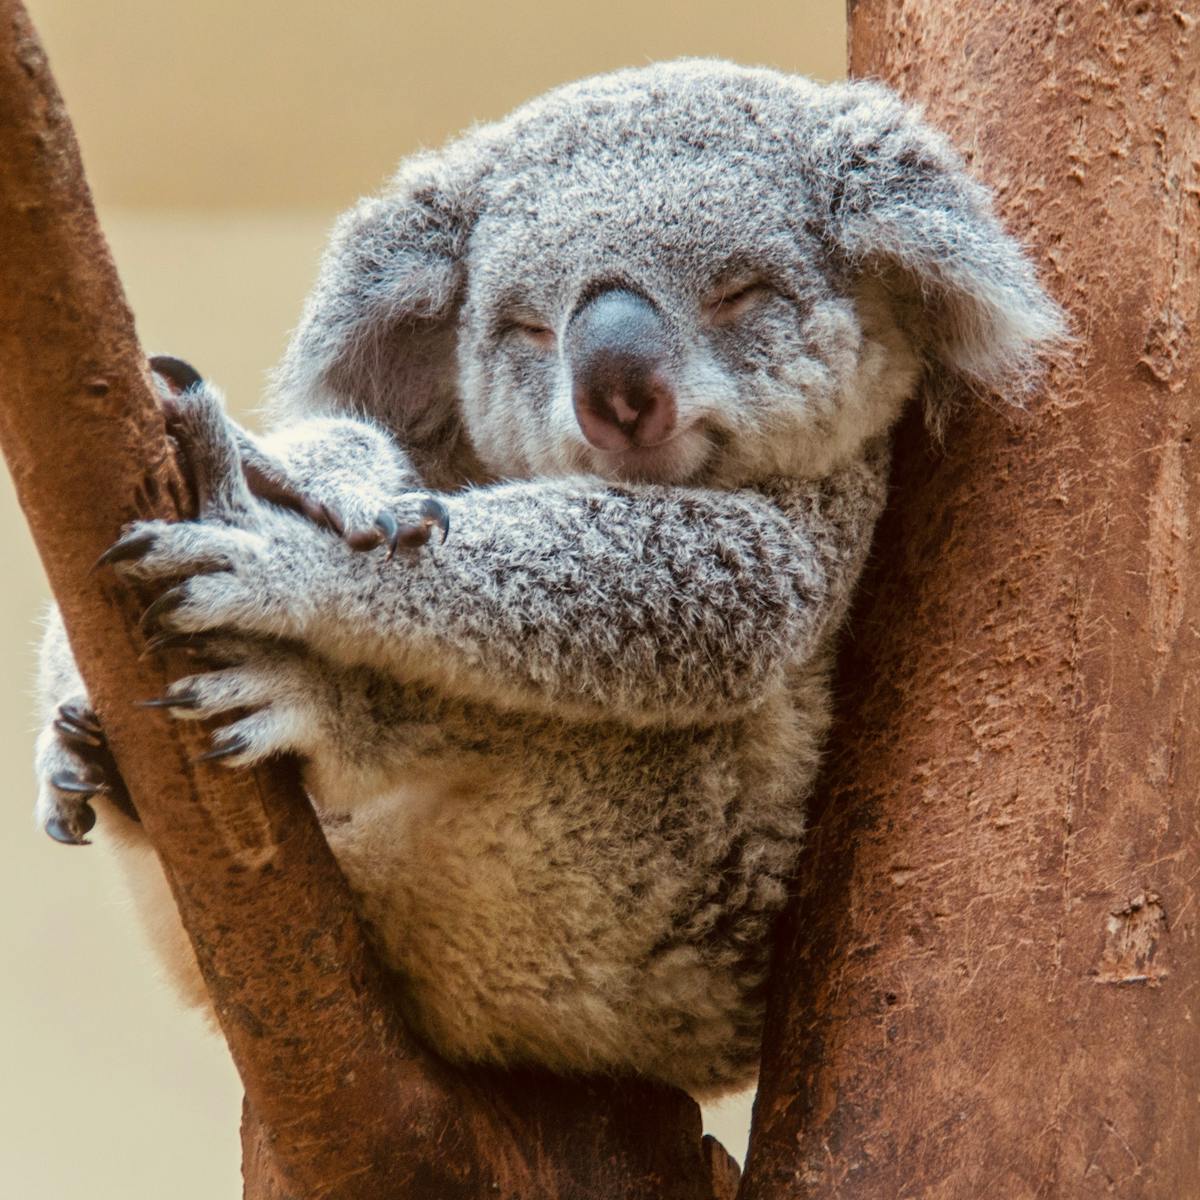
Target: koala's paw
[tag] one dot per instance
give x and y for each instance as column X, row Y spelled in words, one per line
column 361, row 521
column 250, row 566
column 407, row 525
column 74, row 767
column 285, row 701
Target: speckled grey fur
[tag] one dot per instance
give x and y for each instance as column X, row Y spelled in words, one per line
column 563, row 757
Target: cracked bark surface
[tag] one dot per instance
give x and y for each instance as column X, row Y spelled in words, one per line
column 990, row 986
column 340, row 1101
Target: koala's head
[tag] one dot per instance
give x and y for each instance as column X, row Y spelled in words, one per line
column 688, row 272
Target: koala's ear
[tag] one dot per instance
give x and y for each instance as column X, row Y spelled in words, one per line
column 900, row 204
column 377, row 334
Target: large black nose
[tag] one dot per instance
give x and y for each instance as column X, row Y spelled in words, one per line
column 619, row 353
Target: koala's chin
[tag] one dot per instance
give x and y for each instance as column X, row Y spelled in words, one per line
column 681, row 459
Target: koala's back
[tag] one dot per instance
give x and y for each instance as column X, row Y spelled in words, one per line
column 585, row 897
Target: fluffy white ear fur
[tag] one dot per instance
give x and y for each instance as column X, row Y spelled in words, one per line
column 900, row 200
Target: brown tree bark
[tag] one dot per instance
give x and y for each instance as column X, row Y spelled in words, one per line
column 340, row 1101
column 991, row 985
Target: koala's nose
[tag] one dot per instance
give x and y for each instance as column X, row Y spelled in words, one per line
column 620, row 356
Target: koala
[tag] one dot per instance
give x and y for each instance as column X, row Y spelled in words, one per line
column 571, row 467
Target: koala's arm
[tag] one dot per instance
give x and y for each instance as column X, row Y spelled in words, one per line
column 644, row 602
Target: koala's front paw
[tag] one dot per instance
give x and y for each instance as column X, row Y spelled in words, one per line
column 362, row 520
column 407, row 525
column 74, row 767
column 292, row 702
column 407, row 522
column 251, row 567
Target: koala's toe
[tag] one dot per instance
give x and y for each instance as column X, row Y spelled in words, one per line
column 383, row 531
column 77, row 733
column 82, row 716
column 69, row 827
column 68, row 816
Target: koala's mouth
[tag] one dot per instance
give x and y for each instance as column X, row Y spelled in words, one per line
column 674, row 460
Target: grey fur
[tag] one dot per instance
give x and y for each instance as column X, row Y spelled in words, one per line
column 563, row 758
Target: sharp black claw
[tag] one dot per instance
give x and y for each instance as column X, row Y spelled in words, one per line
column 182, row 376
column 70, row 833
column 130, row 546
column 435, row 513
column 66, row 782
column 225, row 748
column 83, row 717
column 173, row 641
column 166, row 603
column 76, row 733
column 390, row 529
column 183, row 700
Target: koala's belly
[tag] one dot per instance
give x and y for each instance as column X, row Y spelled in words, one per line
column 534, row 922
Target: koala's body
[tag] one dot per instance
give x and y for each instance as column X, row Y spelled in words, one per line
column 641, row 344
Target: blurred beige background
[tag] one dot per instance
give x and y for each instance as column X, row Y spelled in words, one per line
column 221, row 138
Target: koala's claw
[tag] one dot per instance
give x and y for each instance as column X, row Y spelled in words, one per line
column 161, row 608
column 188, row 643
column 388, row 531
column 83, row 717
column 182, row 700
column 132, row 545
column 434, row 515
column 180, row 376
column 66, row 782
column 224, row 746
column 79, row 726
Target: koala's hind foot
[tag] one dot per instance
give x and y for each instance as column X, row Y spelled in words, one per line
column 74, row 767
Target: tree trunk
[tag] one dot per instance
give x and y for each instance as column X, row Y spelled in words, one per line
column 990, row 986
column 340, row 1101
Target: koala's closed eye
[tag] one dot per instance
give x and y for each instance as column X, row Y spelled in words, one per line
column 731, row 301
column 528, row 331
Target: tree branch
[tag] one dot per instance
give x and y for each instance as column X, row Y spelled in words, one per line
column 988, row 986
column 341, row 1101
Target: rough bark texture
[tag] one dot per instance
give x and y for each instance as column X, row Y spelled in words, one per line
column 340, row 1101
column 990, row 986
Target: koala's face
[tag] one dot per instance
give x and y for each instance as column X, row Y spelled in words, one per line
column 647, row 298
column 691, row 272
